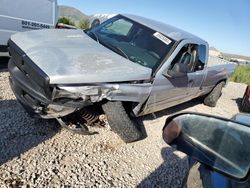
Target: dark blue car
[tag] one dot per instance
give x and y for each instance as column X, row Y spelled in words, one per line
column 220, row 145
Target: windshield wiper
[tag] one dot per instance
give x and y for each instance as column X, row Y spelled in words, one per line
column 116, row 49
column 108, row 45
column 93, row 34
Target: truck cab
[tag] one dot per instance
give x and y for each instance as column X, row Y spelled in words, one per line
column 181, row 76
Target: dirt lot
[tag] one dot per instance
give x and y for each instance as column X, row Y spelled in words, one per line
column 39, row 153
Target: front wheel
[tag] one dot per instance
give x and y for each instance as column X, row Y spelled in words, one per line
column 121, row 123
column 212, row 98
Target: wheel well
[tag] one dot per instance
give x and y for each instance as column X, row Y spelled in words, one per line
column 128, row 105
column 224, row 80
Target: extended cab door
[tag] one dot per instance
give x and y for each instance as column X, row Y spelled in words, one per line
column 180, row 78
column 198, row 71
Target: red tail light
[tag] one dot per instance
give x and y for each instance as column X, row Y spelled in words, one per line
column 248, row 90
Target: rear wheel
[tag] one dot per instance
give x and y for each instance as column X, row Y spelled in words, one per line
column 212, row 98
column 245, row 106
column 121, row 123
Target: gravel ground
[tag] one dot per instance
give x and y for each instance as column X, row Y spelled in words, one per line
column 38, row 153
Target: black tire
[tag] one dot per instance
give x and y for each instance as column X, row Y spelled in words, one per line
column 245, row 106
column 212, row 98
column 121, row 123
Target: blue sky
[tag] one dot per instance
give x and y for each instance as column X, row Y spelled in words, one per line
column 225, row 24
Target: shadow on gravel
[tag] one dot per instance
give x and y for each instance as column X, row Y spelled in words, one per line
column 238, row 102
column 172, row 110
column 170, row 173
column 4, row 62
column 19, row 132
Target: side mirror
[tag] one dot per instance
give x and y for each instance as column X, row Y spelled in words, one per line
column 96, row 22
column 219, row 143
column 173, row 74
column 178, row 70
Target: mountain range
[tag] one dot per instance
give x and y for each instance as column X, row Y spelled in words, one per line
column 76, row 15
column 235, row 56
column 70, row 12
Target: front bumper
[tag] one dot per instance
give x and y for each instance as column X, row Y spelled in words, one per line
column 33, row 98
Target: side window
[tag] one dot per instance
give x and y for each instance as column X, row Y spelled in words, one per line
column 185, row 60
column 191, row 58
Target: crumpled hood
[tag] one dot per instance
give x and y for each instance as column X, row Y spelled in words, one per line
column 72, row 57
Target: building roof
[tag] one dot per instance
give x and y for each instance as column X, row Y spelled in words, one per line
column 168, row 30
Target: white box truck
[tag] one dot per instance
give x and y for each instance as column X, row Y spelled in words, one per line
column 25, row 15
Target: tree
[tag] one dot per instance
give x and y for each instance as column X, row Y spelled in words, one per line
column 65, row 20
column 84, row 23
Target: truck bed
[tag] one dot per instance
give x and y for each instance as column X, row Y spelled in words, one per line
column 218, row 69
column 214, row 61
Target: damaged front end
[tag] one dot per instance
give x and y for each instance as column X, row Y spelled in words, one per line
column 135, row 92
column 73, row 111
column 75, row 106
column 90, row 98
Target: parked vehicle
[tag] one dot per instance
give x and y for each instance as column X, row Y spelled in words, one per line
column 245, row 105
column 65, row 26
column 129, row 66
column 219, row 144
column 24, row 15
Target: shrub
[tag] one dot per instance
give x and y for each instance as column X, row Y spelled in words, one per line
column 65, row 20
column 84, row 23
column 241, row 74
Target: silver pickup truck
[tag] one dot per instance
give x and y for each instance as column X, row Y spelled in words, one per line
column 126, row 67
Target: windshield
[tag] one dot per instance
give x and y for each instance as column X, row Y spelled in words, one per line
column 133, row 41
